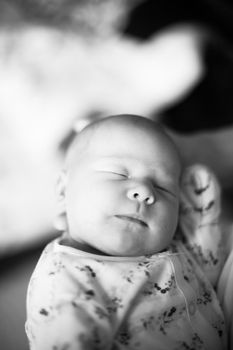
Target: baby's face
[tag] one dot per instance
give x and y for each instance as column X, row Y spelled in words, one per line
column 122, row 192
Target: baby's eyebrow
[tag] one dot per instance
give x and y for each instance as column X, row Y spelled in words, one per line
column 108, row 160
column 164, row 173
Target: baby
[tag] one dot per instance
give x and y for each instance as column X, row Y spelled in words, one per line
column 124, row 274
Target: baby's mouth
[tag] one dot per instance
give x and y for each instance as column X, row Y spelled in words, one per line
column 132, row 218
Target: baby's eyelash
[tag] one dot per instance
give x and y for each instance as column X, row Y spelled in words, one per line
column 164, row 189
column 117, row 173
column 120, row 174
column 159, row 187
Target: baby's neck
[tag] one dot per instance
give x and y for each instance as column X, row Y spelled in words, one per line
column 70, row 242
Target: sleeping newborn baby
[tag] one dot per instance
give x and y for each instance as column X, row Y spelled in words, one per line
column 124, row 274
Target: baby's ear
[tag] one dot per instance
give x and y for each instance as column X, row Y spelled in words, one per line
column 60, row 221
column 61, row 186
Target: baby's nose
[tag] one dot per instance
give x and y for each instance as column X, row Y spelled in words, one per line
column 142, row 193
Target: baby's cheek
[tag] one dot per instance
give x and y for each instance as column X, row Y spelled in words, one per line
column 168, row 221
column 173, row 210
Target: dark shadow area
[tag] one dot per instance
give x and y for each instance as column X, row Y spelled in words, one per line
column 150, row 16
column 15, row 272
column 209, row 105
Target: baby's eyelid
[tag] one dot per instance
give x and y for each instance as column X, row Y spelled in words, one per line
column 121, row 173
column 162, row 188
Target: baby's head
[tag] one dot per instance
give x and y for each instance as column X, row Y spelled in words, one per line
column 120, row 188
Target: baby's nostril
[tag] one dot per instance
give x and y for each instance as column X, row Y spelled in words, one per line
column 149, row 200
column 135, row 195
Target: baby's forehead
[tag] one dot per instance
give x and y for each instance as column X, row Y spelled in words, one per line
column 123, row 127
column 114, row 130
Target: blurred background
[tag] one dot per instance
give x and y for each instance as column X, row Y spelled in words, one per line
column 66, row 61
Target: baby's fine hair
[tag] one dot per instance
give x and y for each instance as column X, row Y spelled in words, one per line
column 84, row 137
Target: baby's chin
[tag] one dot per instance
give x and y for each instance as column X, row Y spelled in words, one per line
column 124, row 251
column 128, row 245
column 119, row 243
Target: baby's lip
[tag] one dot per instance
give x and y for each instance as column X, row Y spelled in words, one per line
column 132, row 217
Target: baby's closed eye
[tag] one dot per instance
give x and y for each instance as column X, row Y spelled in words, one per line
column 115, row 172
column 120, row 174
column 164, row 188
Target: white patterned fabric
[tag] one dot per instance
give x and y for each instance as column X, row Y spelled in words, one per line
column 83, row 301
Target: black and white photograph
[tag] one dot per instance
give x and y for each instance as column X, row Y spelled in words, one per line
column 116, row 175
